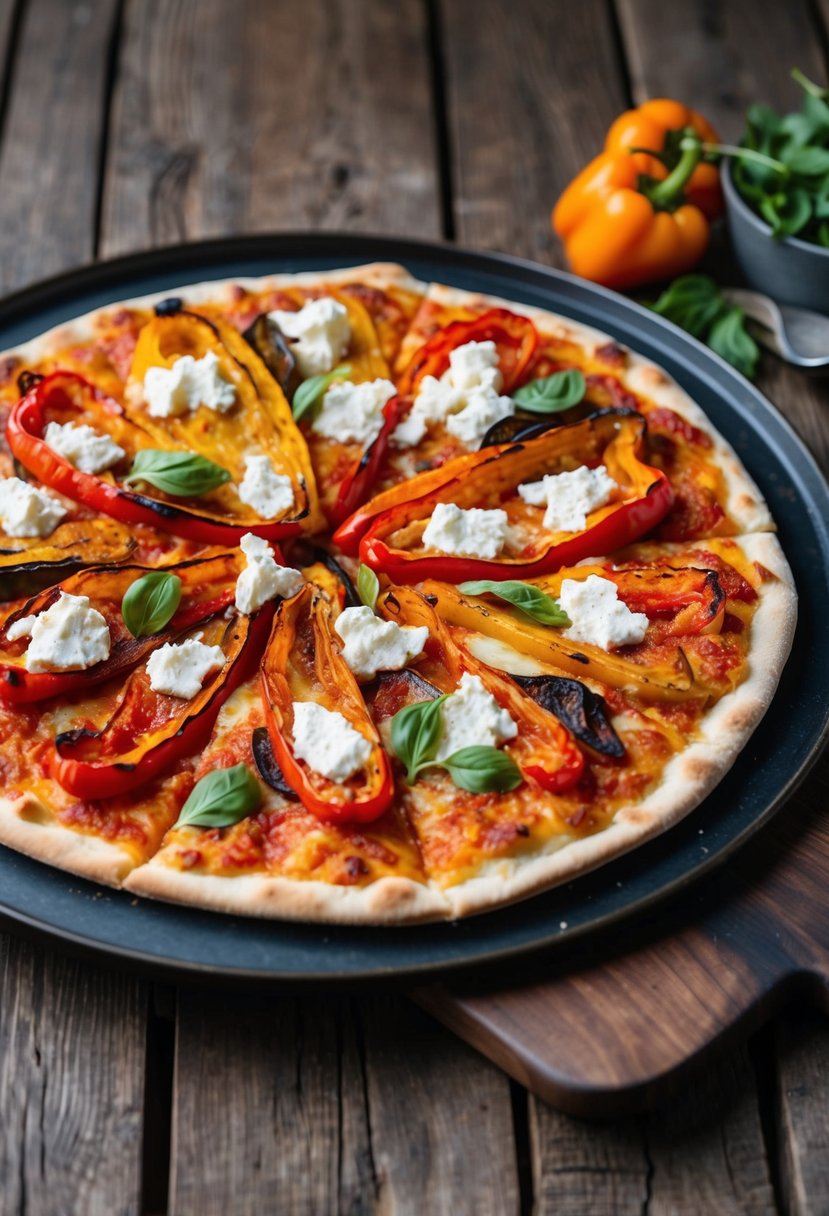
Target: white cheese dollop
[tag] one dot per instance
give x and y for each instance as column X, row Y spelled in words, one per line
column 85, row 448
column 373, row 645
column 598, row 615
column 465, row 398
column 471, row 717
column 320, row 331
column 27, row 511
column 268, row 492
column 353, row 413
column 263, row 578
column 178, row 668
column 569, row 497
column 327, row 742
column 189, row 383
column 472, row 533
column 69, row 636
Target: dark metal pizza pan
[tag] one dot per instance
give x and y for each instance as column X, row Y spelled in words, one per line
column 184, row 942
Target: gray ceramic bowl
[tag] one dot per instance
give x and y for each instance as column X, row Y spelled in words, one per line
column 788, row 270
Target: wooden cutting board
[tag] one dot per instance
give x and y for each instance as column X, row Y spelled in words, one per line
column 617, row 1024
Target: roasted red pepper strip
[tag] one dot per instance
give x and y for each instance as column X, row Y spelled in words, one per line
column 357, row 486
column 303, row 662
column 67, row 397
column 396, row 519
column 515, row 337
column 150, row 731
column 543, row 748
column 207, row 589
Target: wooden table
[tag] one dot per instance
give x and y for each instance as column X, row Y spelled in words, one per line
column 129, row 123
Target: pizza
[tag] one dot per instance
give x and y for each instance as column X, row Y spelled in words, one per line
column 343, row 597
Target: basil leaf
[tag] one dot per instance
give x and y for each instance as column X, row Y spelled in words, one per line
column 182, row 474
column 693, row 302
column 221, row 798
column 483, row 770
column 809, row 161
column 415, row 733
column 150, row 602
column 730, row 339
column 368, row 585
column 532, row 601
column 312, row 390
column 553, row 393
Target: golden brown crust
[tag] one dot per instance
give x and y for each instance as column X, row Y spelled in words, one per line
column 29, row 827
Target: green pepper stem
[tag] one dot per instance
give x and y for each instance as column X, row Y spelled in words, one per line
column 808, row 85
column 665, row 195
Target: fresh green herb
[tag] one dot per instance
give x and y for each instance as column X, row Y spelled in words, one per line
column 368, row 585
column 781, row 167
column 730, row 339
column 415, row 735
column 530, row 600
column 696, row 304
column 221, row 798
column 311, row 391
column 551, row 394
column 150, row 602
column 482, row 770
column 182, row 474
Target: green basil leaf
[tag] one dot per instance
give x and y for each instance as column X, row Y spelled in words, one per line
column 368, row 585
column 312, row 390
column 483, row 770
column 730, row 339
column 553, row 393
column 150, row 602
column 221, row 798
column 530, row 600
column 810, row 161
column 182, row 474
column 415, row 734
column 693, row 302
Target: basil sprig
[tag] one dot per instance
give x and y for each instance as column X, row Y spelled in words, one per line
column 221, row 798
column 182, row 474
column 150, row 602
column 415, row 735
column 695, row 303
column 312, row 390
column 551, row 394
column 532, row 601
column 368, row 585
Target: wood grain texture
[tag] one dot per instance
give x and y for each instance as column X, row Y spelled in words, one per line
column 269, row 1108
column 50, row 153
column 720, row 57
column 242, row 117
column 71, row 1087
column 441, row 1121
column 803, row 1110
column 531, row 90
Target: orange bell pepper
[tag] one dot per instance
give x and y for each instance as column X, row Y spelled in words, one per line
column 640, row 210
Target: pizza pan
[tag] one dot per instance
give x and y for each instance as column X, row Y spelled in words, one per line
column 163, row 938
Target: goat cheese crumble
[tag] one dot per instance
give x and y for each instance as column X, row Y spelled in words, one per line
column 327, row 742
column 320, row 334
column 189, row 383
column 373, row 645
column 467, row 533
column 268, row 492
column 178, row 668
column 85, row 448
column 598, row 615
column 263, row 578
column 569, row 497
column 27, row 511
column 71, row 635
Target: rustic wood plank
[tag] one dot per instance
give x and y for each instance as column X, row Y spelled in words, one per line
column 274, row 1090
column 531, row 90
column 719, row 57
column 803, row 1106
column 600, row 1168
column 441, row 1119
column 50, row 154
column 243, row 117
column 71, row 1086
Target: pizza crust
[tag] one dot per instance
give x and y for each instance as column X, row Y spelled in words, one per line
column 29, row 827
